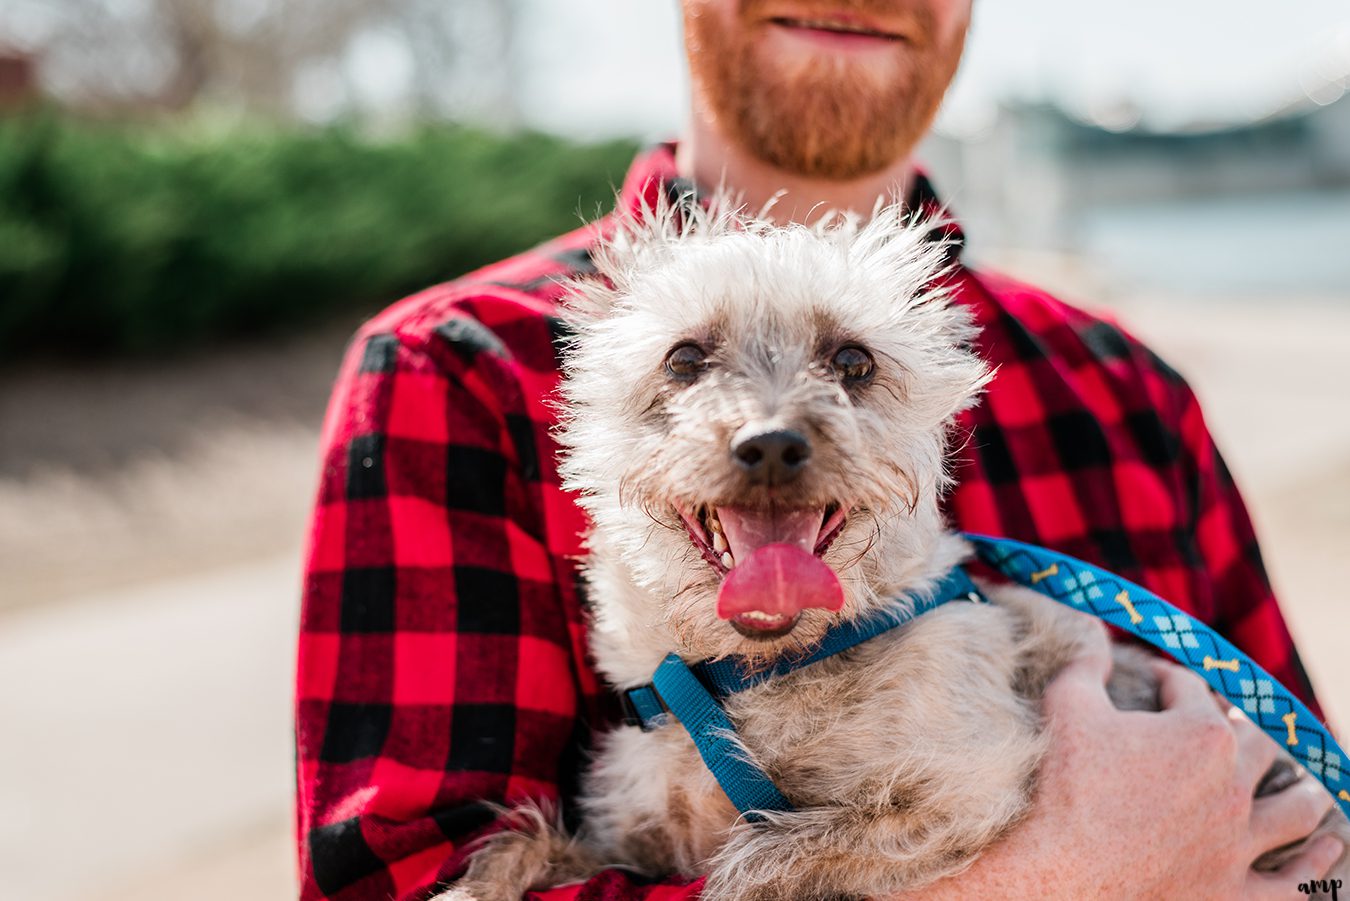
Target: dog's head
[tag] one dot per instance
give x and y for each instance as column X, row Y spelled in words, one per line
column 756, row 420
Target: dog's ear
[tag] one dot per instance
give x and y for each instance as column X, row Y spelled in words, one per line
column 948, row 376
column 587, row 299
column 634, row 243
column 907, row 254
column 626, row 245
column 907, row 249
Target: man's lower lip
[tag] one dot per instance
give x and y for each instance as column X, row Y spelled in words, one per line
column 838, row 40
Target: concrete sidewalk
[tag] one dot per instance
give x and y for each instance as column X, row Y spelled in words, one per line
column 147, row 750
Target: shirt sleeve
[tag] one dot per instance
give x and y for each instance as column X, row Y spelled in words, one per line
column 436, row 667
column 1245, row 608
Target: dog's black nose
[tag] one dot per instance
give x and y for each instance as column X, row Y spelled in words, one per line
column 772, row 457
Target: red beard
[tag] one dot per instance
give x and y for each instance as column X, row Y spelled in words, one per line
column 829, row 118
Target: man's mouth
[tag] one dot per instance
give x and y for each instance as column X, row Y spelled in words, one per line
column 769, row 561
column 837, row 28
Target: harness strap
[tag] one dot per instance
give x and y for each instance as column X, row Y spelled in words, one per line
column 745, row 783
column 694, row 694
column 724, row 677
column 728, row 675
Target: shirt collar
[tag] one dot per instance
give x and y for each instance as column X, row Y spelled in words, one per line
column 653, row 174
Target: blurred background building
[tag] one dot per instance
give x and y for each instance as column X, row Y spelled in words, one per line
column 200, row 199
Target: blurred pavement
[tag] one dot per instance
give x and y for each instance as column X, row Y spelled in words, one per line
column 147, row 740
column 149, row 605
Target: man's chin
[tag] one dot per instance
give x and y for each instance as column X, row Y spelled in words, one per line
column 816, row 151
column 823, row 117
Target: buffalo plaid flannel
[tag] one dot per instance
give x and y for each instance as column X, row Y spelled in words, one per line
column 442, row 658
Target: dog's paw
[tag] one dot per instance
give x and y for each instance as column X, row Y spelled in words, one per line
column 470, row 889
column 533, row 852
column 457, row 893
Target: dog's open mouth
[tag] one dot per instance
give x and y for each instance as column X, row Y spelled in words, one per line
column 769, row 560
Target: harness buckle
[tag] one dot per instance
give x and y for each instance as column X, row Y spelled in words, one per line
column 643, row 707
column 630, row 714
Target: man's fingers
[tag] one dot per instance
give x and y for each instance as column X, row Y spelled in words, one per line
column 1183, row 691
column 1313, row 862
column 1288, row 816
column 1256, row 751
column 1082, row 681
column 1093, row 660
column 1095, row 651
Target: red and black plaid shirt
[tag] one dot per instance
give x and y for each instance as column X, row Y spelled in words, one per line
column 442, row 656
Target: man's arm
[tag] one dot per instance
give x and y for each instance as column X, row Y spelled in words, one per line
column 437, row 666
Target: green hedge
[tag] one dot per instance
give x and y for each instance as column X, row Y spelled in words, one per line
column 121, row 240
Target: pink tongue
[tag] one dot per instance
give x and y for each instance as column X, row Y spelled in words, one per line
column 776, row 571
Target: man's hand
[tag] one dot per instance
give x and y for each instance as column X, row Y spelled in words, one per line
column 1150, row 805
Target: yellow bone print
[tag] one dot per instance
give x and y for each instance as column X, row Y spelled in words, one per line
column 1052, row 569
column 1123, row 599
column 1289, row 718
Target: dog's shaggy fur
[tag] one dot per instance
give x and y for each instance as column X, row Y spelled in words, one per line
column 905, row 756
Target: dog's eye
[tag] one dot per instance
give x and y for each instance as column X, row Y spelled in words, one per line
column 852, row 363
column 686, row 361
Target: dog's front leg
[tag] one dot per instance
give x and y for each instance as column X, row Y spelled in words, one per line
column 537, row 853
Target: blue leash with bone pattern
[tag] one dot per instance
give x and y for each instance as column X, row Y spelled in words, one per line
column 1142, row 613
column 693, row 694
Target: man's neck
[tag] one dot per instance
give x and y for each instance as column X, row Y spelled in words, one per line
column 709, row 160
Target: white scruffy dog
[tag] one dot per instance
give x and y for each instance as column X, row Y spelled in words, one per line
column 757, row 422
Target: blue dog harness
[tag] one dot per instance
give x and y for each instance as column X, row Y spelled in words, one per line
column 693, row 694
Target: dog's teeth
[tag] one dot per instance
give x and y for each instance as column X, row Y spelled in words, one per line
column 714, row 523
column 727, row 560
column 719, row 542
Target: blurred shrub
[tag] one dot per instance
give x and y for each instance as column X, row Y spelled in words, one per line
column 117, row 240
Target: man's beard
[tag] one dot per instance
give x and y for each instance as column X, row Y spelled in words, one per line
column 830, row 118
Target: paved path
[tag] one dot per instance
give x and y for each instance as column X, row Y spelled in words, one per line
column 147, row 750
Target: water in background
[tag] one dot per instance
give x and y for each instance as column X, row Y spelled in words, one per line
column 1234, row 247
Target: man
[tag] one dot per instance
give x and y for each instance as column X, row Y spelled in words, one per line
column 442, row 658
